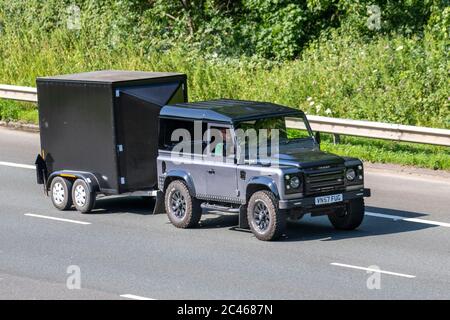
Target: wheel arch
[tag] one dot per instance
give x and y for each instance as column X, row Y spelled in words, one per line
column 180, row 175
column 261, row 183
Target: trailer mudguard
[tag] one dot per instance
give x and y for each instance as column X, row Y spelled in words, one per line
column 41, row 170
column 90, row 178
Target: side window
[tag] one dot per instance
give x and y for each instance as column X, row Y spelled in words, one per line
column 220, row 142
column 179, row 135
column 167, row 128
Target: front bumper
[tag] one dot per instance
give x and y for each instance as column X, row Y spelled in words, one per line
column 309, row 202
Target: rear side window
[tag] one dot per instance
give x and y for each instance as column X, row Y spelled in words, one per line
column 173, row 132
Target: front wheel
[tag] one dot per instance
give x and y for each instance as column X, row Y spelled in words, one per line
column 183, row 210
column 266, row 221
column 350, row 217
column 83, row 197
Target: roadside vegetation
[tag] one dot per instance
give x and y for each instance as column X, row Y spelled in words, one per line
column 382, row 151
column 349, row 59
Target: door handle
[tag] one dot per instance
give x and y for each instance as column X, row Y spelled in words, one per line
column 211, row 171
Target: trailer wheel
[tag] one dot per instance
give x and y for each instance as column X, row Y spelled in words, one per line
column 61, row 193
column 183, row 210
column 349, row 218
column 266, row 221
column 83, row 198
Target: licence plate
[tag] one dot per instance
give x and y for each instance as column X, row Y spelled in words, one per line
column 329, row 199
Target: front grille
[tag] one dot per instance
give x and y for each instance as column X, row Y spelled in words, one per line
column 319, row 181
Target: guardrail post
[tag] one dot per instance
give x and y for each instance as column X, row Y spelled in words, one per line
column 336, row 139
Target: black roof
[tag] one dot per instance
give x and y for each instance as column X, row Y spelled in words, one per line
column 111, row 76
column 226, row 110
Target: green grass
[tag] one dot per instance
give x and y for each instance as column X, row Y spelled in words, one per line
column 390, row 78
column 18, row 111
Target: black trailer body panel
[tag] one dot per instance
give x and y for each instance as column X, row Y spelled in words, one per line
column 106, row 123
column 77, row 129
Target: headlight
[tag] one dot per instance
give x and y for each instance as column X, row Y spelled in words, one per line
column 350, row 175
column 294, row 182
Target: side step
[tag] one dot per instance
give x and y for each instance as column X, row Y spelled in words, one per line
column 217, row 207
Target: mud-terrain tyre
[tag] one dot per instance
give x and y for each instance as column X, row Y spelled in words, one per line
column 350, row 218
column 61, row 193
column 183, row 210
column 266, row 221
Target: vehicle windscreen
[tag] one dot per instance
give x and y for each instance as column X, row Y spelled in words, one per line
column 292, row 131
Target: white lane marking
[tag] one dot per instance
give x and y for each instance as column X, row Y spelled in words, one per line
column 17, row 165
column 54, row 218
column 399, row 218
column 132, row 296
column 373, row 270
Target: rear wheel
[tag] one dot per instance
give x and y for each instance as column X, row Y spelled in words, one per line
column 266, row 221
column 83, row 197
column 61, row 193
column 183, row 210
column 350, row 217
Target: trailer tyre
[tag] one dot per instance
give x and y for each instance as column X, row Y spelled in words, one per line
column 183, row 210
column 83, row 197
column 266, row 221
column 349, row 218
column 61, row 193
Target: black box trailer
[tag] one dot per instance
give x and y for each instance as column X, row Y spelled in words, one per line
column 91, row 126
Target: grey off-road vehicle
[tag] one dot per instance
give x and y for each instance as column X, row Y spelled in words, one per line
column 205, row 160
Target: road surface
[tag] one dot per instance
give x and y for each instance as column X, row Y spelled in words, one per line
column 122, row 251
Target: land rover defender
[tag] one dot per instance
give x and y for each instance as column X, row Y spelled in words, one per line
column 266, row 185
